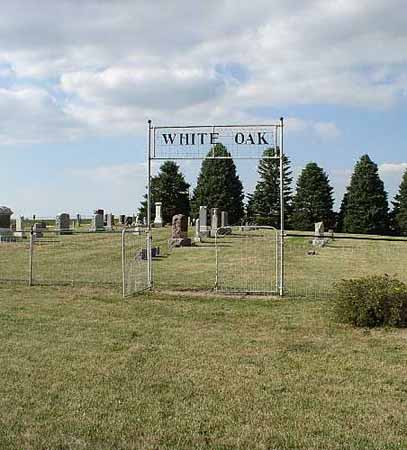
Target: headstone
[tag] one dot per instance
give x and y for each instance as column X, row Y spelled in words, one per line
column 319, row 240
column 224, row 219
column 122, row 219
column 214, row 221
column 19, row 227
column 144, row 221
column 319, row 229
column 158, row 221
column 179, row 232
column 141, row 255
column 109, row 221
column 63, row 224
column 78, row 220
column 5, row 217
column 38, row 229
column 197, row 237
column 5, row 223
column 97, row 221
column 203, row 221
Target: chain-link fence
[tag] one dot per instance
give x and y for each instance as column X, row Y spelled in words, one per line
column 72, row 258
column 313, row 266
column 247, row 261
column 135, row 263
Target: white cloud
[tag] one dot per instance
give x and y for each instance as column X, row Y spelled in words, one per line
column 393, row 168
column 112, row 65
column 118, row 174
column 31, row 114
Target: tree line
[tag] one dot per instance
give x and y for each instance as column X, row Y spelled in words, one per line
column 364, row 207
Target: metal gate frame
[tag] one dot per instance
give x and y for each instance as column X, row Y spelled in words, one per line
column 278, row 257
column 151, row 156
column 147, row 235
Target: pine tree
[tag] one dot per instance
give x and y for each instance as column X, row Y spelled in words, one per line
column 219, row 186
column 170, row 188
column 264, row 204
column 366, row 206
column 399, row 212
column 341, row 214
column 313, row 200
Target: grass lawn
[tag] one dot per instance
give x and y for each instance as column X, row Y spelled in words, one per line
column 83, row 369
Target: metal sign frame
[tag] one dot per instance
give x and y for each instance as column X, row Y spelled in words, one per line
column 211, row 130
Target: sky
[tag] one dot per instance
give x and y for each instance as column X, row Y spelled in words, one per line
column 80, row 78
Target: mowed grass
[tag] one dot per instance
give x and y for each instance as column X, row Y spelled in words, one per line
column 83, row 369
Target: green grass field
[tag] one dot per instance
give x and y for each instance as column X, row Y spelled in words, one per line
column 81, row 368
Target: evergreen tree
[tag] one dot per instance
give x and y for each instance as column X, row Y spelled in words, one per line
column 313, row 200
column 170, row 188
column 399, row 213
column 341, row 214
column 264, row 204
column 219, row 186
column 366, row 206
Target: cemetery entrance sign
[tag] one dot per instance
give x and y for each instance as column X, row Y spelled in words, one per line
column 246, row 142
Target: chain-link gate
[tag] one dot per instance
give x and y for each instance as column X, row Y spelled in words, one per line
column 136, row 260
column 248, row 260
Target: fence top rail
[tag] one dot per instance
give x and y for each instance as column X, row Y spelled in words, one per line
column 97, row 232
column 350, row 236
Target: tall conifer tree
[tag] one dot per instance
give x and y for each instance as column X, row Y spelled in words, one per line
column 341, row 214
column 399, row 213
column 313, row 200
column 366, row 208
column 170, row 188
column 219, row 186
column 264, row 204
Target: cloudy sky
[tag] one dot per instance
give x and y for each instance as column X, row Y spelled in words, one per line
column 80, row 78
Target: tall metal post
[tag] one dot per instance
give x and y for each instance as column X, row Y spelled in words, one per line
column 124, row 262
column 281, row 143
column 30, row 257
column 149, row 235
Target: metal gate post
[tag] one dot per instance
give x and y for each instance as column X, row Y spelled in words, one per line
column 124, row 262
column 149, row 234
column 30, row 257
column 216, row 262
column 281, row 209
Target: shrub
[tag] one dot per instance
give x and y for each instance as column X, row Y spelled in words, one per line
column 371, row 301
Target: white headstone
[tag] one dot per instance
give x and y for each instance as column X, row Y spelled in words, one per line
column 214, row 221
column 319, row 229
column 19, row 227
column 158, row 221
column 197, row 237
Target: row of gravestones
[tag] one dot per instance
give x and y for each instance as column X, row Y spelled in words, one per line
column 179, row 234
column 100, row 222
column 219, row 219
